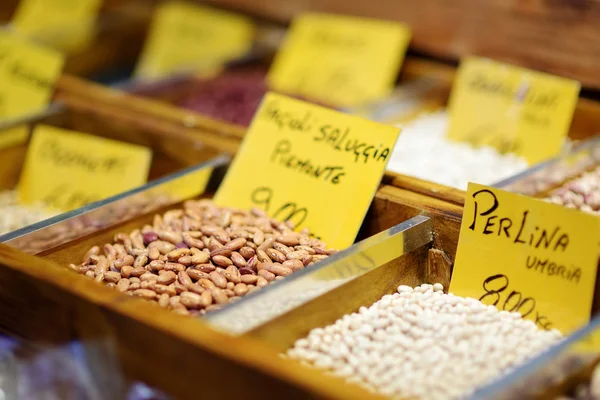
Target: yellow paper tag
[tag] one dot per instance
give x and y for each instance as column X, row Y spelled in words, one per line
column 316, row 167
column 187, row 36
column 66, row 169
column 523, row 254
column 344, row 61
column 66, row 25
column 14, row 136
column 27, row 76
column 512, row 109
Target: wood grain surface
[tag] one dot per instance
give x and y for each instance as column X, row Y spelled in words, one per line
column 557, row 36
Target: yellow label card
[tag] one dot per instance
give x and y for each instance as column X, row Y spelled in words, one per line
column 340, row 60
column 313, row 166
column 186, row 36
column 14, row 136
column 63, row 24
column 512, row 109
column 27, row 76
column 523, row 254
column 67, row 169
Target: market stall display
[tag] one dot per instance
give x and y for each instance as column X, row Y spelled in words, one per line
column 245, row 302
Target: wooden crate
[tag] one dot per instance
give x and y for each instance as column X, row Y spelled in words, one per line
column 41, row 300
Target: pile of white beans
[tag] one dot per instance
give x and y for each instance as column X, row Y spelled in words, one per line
column 424, row 343
column 423, row 151
column 14, row 216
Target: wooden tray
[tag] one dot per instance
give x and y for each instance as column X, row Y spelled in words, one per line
column 585, row 120
column 184, row 356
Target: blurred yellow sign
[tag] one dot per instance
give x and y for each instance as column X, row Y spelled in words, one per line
column 188, row 36
column 340, row 60
column 513, row 109
column 316, row 167
column 66, row 169
column 67, row 25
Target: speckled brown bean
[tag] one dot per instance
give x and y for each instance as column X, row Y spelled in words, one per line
column 191, row 300
column 240, row 289
column 148, row 285
column 145, row 294
column 221, row 251
column 306, row 260
column 176, row 254
column 233, row 274
column 163, row 300
column 261, row 282
column 282, row 248
column 247, row 252
column 195, row 274
column 219, row 296
column 122, row 262
column 249, row 279
column 167, row 278
column 109, row 251
column 219, row 280
column 123, row 285
column 252, row 263
column 206, row 298
column 153, row 253
column 229, row 292
column 185, row 260
column 156, row 266
column 236, row 244
column 281, row 271
column 276, row 255
column 295, row 265
column 262, row 256
column 267, row 244
column 258, row 238
column 179, row 288
column 269, row 276
column 174, row 267
column 195, row 288
column 206, row 284
column 163, row 289
column 112, row 277
column 288, row 240
column 163, row 247
column 134, row 286
column 184, row 278
column 148, row 276
column 200, row 258
column 238, row 260
column 94, row 251
column 230, row 285
column 170, row 237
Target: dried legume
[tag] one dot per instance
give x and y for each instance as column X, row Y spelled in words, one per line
column 423, row 151
column 198, row 258
column 14, row 216
column 424, row 343
column 582, row 193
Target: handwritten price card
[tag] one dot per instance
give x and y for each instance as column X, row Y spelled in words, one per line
column 523, row 254
column 512, row 109
column 311, row 165
column 184, row 36
column 67, row 169
column 340, row 60
column 64, row 24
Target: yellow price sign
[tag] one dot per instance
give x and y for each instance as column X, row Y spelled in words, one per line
column 512, row 109
column 66, row 169
column 340, row 60
column 186, row 36
column 67, row 25
column 316, row 167
column 527, row 255
column 27, row 75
